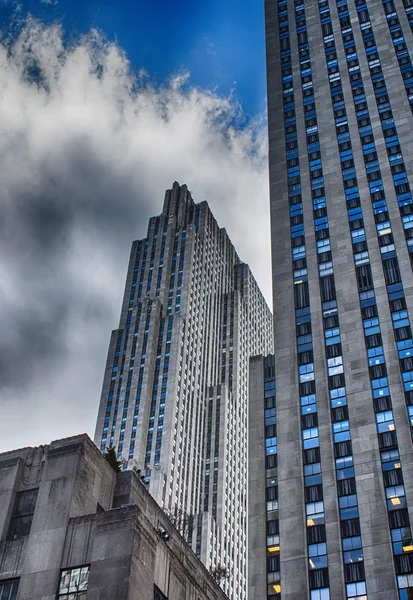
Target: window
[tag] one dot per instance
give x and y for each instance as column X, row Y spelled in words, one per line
column 364, row 278
column 338, row 397
column 310, row 438
column 312, row 474
column 391, row 271
column 315, row 513
column 357, row 591
column 157, row 594
column 395, row 497
column 8, row 589
column 348, row 507
column 301, row 295
column 321, row 594
column 405, row 583
column 327, row 288
column 352, row 549
column 73, row 583
column 317, row 555
column 308, row 404
column 344, row 467
column 341, row 431
column 335, row 365
column 385, row 421
column 21, row 520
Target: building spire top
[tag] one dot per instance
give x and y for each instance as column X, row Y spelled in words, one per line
column 178, row 202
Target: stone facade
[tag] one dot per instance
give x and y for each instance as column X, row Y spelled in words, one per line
column 341, row 162
column 87, row 516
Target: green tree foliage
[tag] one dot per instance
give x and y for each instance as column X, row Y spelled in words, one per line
column 112, row 459
column 219, row 573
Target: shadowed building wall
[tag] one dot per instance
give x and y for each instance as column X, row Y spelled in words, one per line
column 70, row 527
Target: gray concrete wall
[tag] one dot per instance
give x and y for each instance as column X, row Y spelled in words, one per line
column 87, row 515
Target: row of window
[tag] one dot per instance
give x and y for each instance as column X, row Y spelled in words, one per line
column 401, row 324
column 296, row 224
column 143, row 267
column 399, row 44
column 318, row 568
column 377, row 367
column 346, row 488
column 408, row 6
column 346, row 484
column 272, row 517
column 394, row 152
column 158, row 391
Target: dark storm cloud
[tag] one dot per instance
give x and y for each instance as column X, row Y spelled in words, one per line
column 40, row 219
column 86, row 152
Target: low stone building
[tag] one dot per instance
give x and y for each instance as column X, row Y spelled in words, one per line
column 71, row 528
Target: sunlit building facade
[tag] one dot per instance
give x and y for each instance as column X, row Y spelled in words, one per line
column 175, row 393
column 340, row 97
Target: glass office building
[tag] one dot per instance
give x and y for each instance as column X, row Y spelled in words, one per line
column 340, row 98
column 175, row 393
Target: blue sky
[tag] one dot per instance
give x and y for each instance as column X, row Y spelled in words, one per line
column 221, row 42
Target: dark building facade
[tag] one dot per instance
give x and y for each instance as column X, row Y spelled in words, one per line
column 263, row 514
column 175, row 394
column 71, row 528
column 340, row 96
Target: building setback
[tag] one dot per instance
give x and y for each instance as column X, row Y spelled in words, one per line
column 71, row 529
column 175, row 394
column 340, row 97
column 263, row 514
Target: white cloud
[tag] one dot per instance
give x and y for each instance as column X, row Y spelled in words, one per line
column 86, row 153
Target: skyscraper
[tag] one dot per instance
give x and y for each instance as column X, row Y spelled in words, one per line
column 340, row 97
column 175, row 393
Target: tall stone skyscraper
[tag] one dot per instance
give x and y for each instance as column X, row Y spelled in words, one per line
column 175, row 394
column 340, row 98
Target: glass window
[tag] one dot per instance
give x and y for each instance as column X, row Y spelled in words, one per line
column 390, row 460
column 8, row 589
column 317, row 549
column 385, row 421
column 22, row 516
column 337, row 401
column 347, row 501
column 315, row 513
column 351, row 543
column 356, row 590
column 395, row 497
column 353, row 556
column 310, row 438
column 321, row 594
column 308, row 404
column 344, row 466
column 73, row 583
column 312, row 474
column 341, row 431
column 158, row 595
column 335, row 365
column 402, row 540
column 317, row 554
column 405, row 581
